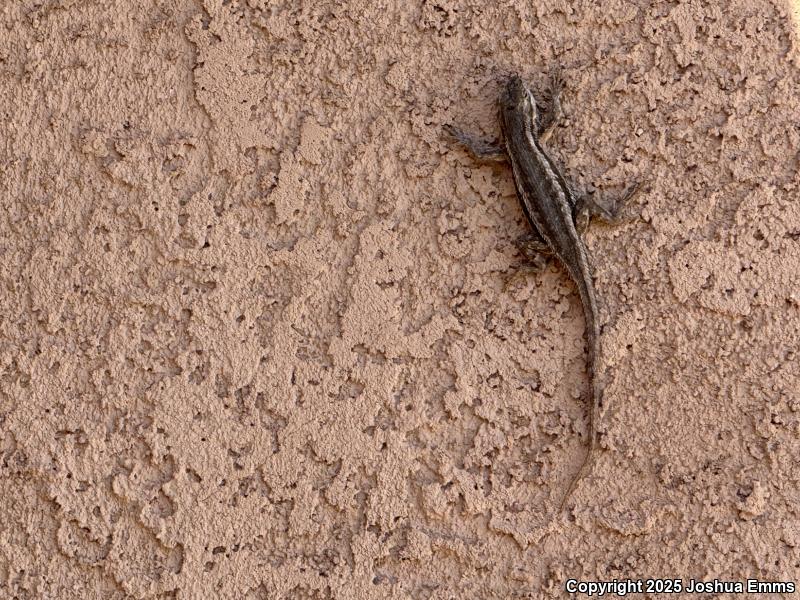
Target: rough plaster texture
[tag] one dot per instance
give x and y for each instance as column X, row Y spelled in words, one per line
column 265, row 332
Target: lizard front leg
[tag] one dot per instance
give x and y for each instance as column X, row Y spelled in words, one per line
column 550, row 111
column 481, row 149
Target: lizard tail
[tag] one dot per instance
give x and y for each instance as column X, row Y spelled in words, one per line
column 585, row 465
column 590, row 312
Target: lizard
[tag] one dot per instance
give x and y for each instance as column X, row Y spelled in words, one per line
column 556, row 214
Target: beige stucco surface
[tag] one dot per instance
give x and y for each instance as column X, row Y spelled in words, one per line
column 265, row 332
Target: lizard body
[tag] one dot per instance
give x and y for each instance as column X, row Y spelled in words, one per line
column 554, row 213
column 550, row 209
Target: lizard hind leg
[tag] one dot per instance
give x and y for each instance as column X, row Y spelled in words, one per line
column 587, row 207
column 533, row 247
column 535, row 250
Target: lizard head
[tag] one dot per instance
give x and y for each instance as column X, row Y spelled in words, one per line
column 518, row 96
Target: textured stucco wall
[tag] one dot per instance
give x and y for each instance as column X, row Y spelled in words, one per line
column 265, row 332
